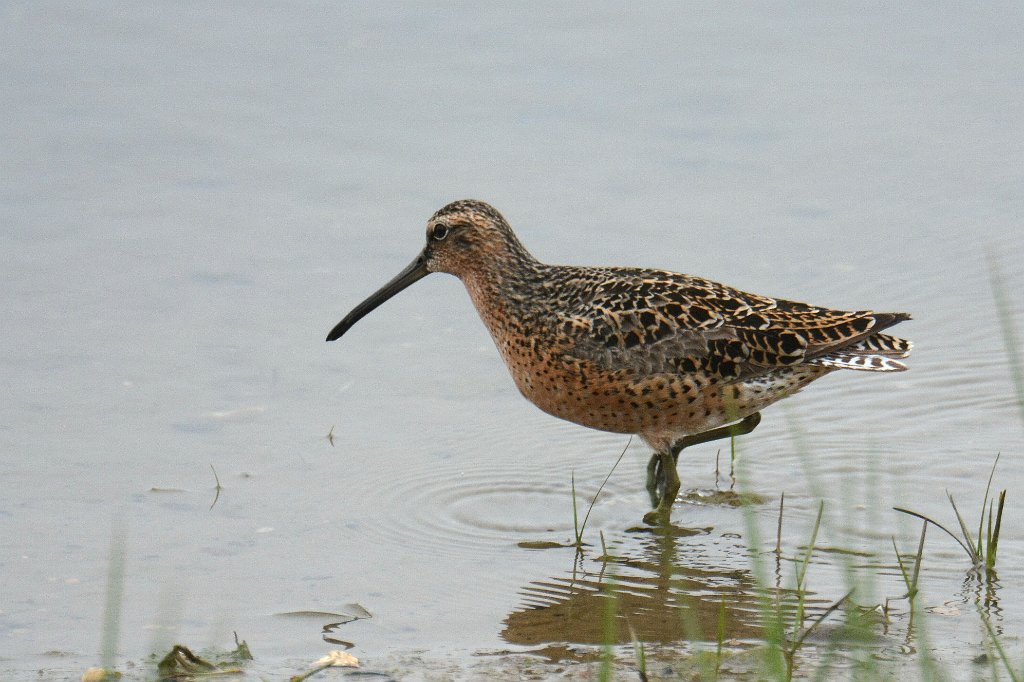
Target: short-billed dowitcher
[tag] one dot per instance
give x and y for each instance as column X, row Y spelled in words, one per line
column 676, row 359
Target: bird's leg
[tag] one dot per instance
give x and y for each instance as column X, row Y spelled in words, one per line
column 661, row 470
column 740, row 428
column 663, row 510
column 654, row 478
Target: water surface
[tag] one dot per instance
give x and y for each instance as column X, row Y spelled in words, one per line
column 193, row 195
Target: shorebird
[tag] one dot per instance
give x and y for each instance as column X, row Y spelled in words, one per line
column 676, row 359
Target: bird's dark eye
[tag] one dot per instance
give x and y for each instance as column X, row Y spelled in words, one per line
column 439, row 232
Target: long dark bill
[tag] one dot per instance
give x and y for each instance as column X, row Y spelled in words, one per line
column 414, row 272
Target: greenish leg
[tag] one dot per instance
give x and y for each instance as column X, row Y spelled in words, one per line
column 670, row 486
column 662, row 478
column 654, row 478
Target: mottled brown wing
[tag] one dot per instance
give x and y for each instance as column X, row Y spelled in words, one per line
column 636, row 319
column 654, row 321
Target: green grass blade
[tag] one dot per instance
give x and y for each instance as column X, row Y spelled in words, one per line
column 802, row 574
column 917, row 559
column 993, row 543
column 720, row 638
column 975, row 555
column 575, row 514
column 984, row 502
column 937, row 525
column 599, row 489
column 1008, row 326
column 903, row 569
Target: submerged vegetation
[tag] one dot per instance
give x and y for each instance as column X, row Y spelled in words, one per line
column 981, row 549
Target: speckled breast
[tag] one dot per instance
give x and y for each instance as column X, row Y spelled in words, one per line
column 659, row 406
column 580, row 391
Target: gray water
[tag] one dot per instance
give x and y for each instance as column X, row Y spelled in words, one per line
column 192, row 194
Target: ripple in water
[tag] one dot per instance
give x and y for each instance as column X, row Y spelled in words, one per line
column 473, row 504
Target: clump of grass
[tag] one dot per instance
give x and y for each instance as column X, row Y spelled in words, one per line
column 182, row 663
column 793, row 644
column 990, row 547
column 982, row 549
column 910, row 579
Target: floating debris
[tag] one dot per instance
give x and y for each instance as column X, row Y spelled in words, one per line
column 333, row 659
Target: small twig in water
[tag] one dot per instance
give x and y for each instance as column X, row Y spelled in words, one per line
column 581, row 527
column 218, row 487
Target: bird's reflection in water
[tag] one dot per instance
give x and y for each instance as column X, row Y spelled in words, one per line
column 670, row 586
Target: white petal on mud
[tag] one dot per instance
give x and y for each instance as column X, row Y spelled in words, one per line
column 339, row 659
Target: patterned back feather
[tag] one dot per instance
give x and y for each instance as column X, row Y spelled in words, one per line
column 658, row 321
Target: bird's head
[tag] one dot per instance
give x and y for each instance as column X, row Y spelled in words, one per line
column 465, row 238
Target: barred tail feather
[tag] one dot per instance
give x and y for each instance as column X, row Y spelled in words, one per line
column 863, row 363
column 882, row 344
column 875, row 353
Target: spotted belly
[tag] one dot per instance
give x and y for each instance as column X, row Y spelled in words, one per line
column 659, row 407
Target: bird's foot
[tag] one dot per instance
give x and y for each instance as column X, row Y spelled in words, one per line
column 660, row 515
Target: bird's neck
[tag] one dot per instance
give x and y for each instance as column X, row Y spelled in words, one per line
column 503, row 296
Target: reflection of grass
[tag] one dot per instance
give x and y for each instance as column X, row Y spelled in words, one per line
column 115, row 598
column 609, row 631
column 993, row 639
